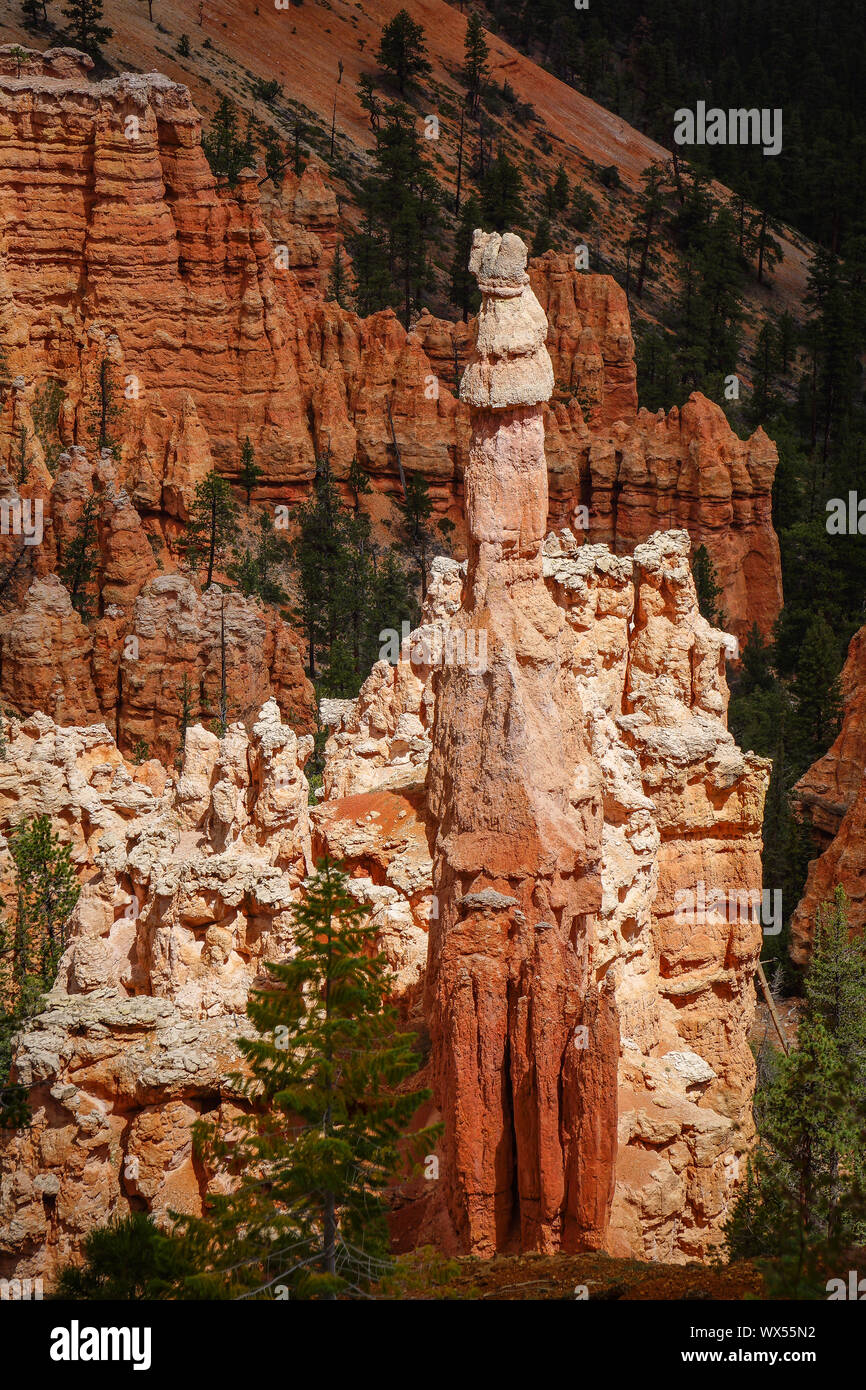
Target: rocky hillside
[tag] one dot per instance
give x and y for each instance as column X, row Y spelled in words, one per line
column 235, row 46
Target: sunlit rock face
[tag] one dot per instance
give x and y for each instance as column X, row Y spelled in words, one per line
column 589, row 1033
column 831, row 799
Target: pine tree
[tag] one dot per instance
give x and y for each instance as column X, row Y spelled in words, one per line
column 583, row 207
column 326, row 1083
column 710, row 309
column 359, row 483
column 464, row 287
column 401, row 204
column 85, row 18
column 32, row 942
column 416, row 508
column 762, row 243
column 475, row 67
column 78, row 562
column 254, row 568
column 657, row 370
column 275, row 157
column 250, row 472
column 128, row 1259
column 226, row 151
column 374, row 284
column 353, row 596
column 369, row 100
column 803, row 1204
column 391, row 603
column 103, row 407
column 541, row 242
column 212, row 524
column 403, row 50
column 650, row 208
column 559, row 191
column 502, row 195
column 319, row 553
column 338, row 287
column 765, row 370
column 708, row 591
column 816, row 693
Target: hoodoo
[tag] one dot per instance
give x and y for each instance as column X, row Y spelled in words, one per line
column 589, row 1035
column 525, row 1047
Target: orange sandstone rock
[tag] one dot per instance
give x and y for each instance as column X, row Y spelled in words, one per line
column 831, row 799
column 586, row 803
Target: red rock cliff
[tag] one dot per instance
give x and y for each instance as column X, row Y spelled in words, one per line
column 831, row 798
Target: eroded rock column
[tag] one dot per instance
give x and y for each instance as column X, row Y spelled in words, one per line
column 524, row 1045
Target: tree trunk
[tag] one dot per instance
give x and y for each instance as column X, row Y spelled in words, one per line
column 212, row 546
column 644, row 255
column 762, row 238
column 330, row 1250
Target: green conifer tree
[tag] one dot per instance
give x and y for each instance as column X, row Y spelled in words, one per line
column 359, row 483
column 476, row 70
column 803, row 1203
column 559, row 191
column 502, row 195
column 128, row 1259
column 227, row 151
column 85, row 19
column 250, row 472
column 708, row 591
column 541, row 242
column 403, row 50
column 255, row 566
column 338, row 281
column 326, row 1082
column 212, row 525
column 78, row 561
column 464, row 287
column 817, row 697
column 32, row 940
column 416, row 508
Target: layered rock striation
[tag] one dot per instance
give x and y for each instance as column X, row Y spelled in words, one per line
column 206, row 307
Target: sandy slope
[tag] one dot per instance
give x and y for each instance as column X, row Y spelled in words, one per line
column 302, row 46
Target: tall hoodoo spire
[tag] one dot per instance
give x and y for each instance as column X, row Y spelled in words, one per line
column 530, row 1115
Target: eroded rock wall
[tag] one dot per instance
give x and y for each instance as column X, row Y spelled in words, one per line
column 831, row 799
column 209, row 308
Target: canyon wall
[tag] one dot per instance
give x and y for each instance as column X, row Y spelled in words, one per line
column 529, row 787
column 118, row 245
column 142, row 626
column 831, row 799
